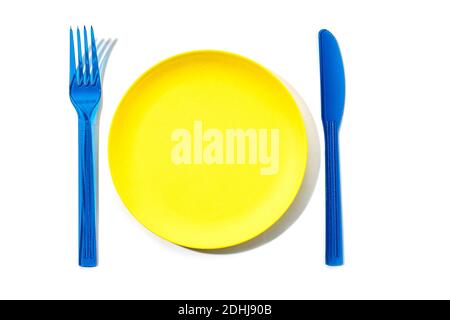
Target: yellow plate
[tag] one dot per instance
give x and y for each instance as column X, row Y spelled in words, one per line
column 207, row 149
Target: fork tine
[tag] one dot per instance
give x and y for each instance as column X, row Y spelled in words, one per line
column 72, row 58
column 95, row 71
column 80, row 59
column 87, row 69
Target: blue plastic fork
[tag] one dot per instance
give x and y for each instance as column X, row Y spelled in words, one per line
column 85, row 94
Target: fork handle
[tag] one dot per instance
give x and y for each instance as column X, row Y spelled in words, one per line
column 87, row 195
column 334, row 238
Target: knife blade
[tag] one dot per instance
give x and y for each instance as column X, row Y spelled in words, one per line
column 332, row 83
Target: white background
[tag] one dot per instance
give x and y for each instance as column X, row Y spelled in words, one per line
column 394, row 147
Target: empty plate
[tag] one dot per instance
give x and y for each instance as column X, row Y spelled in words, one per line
column 207, row 149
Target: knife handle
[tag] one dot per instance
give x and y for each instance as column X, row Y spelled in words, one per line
column 87, row 195
column 334, row 238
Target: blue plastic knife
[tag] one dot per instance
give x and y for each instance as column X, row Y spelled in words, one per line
column 332, row 82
